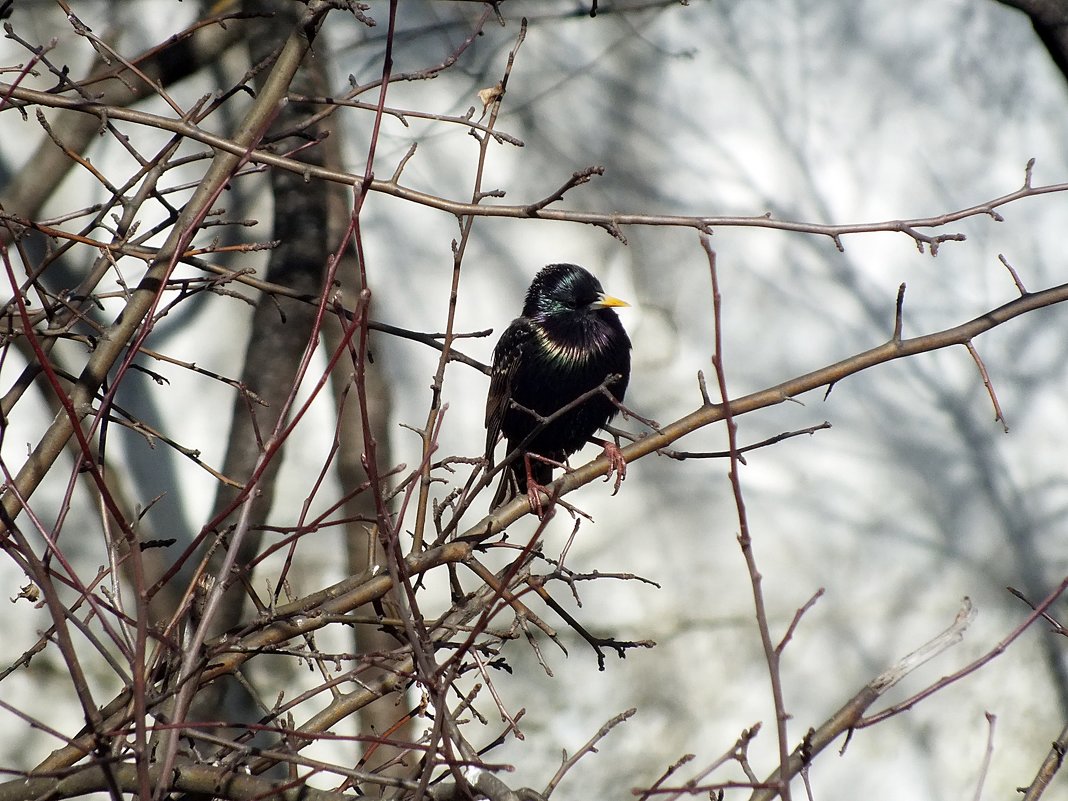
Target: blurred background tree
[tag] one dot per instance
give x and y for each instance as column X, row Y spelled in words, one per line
column 254, row 254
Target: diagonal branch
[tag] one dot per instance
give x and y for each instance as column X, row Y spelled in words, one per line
column 710, row 413
column 113, row 343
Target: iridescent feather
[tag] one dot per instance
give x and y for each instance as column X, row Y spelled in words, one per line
column 566, row 343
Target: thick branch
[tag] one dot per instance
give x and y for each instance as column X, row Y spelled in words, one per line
column 290, row 620
column 826, row 376
column 114, row 342
column 201, row 779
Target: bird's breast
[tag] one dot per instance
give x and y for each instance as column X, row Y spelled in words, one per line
column 572, row 348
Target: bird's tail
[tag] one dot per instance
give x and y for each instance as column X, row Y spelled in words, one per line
column 508, row 486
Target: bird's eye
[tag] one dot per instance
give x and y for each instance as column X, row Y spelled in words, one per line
column 567, row 301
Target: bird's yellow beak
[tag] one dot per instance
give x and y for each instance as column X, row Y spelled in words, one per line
column 604, row 301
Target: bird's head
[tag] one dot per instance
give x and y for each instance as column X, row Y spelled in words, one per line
column 561, row 289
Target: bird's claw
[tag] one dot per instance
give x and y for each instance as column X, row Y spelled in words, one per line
column 534, row 490
column 616, row 464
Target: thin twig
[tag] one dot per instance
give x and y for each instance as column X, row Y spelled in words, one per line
column 684, row 455
column 797, row 619
column 1015, row 276
column 988, row 756
column 999, row 416
column 590, row 747
column 745, row 540
column 611, row 222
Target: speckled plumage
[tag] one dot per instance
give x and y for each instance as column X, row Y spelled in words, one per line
column 566, row 343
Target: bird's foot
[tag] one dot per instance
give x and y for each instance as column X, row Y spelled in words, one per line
column 616, row 464
column 534, row 490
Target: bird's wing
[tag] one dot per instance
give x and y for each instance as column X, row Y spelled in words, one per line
column 507, row 357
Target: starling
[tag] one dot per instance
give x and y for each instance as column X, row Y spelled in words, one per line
column 567, row 342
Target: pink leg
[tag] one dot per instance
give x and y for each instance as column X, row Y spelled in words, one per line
column 616, row 463
column 533, row 490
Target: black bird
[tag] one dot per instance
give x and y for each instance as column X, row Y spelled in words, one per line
column 567, row 342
